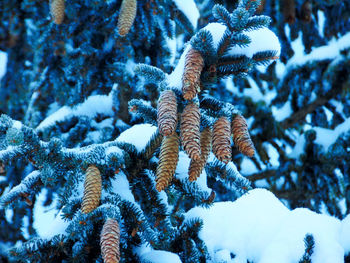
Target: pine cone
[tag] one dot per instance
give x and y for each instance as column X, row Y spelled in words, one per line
column 221, row 139
column 194, row 64
column 109, row 242
column 92, row 189
column 190, row 133
column 241, row 136
column 167, row 113
column 306, row 12
column 168, row 158
column 196, row 166
column 126, row 16
column 288, row 10
column 57, row 11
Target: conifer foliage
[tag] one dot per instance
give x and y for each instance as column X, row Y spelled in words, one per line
column 121, row 116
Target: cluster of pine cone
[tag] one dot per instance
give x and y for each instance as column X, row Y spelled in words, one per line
column 110, row 234
column 195, row 143
column 126, row 19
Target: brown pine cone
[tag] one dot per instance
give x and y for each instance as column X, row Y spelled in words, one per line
column 196, row 166
column 241, row 136
column 109, row 242
column 221, row 140
column 168, row 158
column 126, row 16
column 57, row 11
column 92, row 189
column 167, row 113
column 194, row 64
column 190, row 133
column 306, row 12
column 288, row 10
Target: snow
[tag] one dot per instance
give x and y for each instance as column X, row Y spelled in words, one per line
column 47, row 220
column 326, row 137
column 259, row 228
column 321, row 21
column 330, row 51
column 3, row 63
column 345, row 234
column 262, row 39
column 149, row 255
column 217, row 30
column 182, row 172
column 282, row 113
column 17, row 125
column 189, row 9
column 121, row 186
column 248, row 167
column 174, row 80
column 138, row 135
column 92, row 106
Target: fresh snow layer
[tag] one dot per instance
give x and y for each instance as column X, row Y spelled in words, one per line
column 259, row 228
column 92, row 106
column 261, row 40
column 138, row 135
column 190, row 10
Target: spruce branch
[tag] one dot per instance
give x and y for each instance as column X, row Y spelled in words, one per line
column 151, row 73
column 23, row 190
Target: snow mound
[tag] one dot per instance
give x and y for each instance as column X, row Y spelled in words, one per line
column 138, row 135
column 259, row 228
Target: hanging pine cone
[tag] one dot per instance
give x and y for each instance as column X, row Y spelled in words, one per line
column 168, row 158
column 241, row 136
column 306, row 12
column 190, row 133
column 194, row 64
column 57, row 11
column 196, row 166
column 221, row 139
column 167, row 113
column 126, row 16
column 92, row 189
column 288, row 10
column 109, row 242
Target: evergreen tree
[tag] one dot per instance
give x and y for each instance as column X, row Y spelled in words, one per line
column 124, row 115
